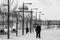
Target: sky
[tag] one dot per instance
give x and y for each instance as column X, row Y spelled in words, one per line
column 50, row 8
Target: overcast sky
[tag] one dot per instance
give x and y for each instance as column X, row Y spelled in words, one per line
column 51, row 8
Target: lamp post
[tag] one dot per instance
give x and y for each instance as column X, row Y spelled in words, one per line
column 23, row 19
column 8, row 19
column 3, row 21
column 17, row 18
column 39, row 17
column 16, row 24
column 36, row 19
column 31, row 17
column 28, row 19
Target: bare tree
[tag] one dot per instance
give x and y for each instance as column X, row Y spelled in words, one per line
column 5, row 8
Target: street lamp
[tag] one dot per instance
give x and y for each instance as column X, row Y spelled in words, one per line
column 17, row 18
column 8, row 19
column 31, row 17
column 23, row 19
column 28, row 18
column 16, row 23
column 39, row 16
column 34, row 25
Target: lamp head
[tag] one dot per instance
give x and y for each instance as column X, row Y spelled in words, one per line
column 29, row 3
column 34, row 9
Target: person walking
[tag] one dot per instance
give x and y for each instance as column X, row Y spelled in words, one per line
column 27, row 30
column 38, row 31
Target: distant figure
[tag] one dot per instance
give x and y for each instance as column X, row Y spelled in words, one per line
column 38, row 31
column 1, row 31
column 27, row 30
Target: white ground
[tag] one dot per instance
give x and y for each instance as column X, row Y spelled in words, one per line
column 48, row 34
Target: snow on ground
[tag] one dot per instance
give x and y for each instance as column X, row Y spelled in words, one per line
column 48, row 34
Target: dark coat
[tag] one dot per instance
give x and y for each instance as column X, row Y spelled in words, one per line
column 27, row 30
column 38, row 29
